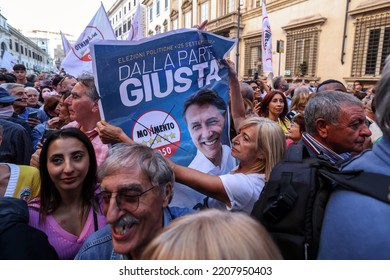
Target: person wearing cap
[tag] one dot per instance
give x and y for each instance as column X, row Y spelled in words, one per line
column 30, row 115
column 6, row 102
column 7, row 110
column 20, row 74
column 6, row 98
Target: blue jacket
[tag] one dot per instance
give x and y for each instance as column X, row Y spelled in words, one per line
column 356, row 226
column 42, row 116
column 37, row 133
column 98, row 246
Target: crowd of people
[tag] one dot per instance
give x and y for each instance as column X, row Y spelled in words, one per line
column 83, row 189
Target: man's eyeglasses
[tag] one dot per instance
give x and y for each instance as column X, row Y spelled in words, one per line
column 255, row 88
column 124, row 198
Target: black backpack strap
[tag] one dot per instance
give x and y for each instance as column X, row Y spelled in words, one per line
column 285, row 193
column 367, row 183
column 286, row 199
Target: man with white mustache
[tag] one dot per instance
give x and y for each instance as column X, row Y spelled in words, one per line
column 205, row 114
column 136, row 187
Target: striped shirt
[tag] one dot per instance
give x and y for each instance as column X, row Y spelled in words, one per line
column 319, row 149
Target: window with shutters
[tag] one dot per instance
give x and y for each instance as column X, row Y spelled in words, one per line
column 371, row 45
column 301, row 51
column 252, row 56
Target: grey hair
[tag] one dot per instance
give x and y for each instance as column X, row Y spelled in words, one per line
column 303, row 89
column 246, row 91
column 10, row 86
column 130, row 156
column 382, row 100
column 327, row 106
column 277, row 82
column 31, row 88
column 87, row 80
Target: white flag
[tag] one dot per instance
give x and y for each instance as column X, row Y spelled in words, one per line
column 8, row 61
column 135, row 31
column 66, row 46
column 78, row 60
column 266, row 42
column 55, row 68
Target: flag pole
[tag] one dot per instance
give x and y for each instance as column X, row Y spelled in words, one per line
column 238, row 35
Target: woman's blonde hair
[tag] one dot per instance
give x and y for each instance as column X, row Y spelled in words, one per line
column 213, row 235
column 301, row 96
column 270, row 142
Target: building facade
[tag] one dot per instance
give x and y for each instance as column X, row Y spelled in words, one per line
column 345, row 40
column 155, row 15
column 24, row 50
column 50, row 42
column 322, row 39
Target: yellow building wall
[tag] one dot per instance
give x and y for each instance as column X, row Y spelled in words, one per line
column 282, row 13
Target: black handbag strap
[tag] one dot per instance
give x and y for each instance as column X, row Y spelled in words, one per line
column 367, row 183
column 95, row 221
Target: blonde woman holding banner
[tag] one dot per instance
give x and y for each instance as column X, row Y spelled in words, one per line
column 259, row 145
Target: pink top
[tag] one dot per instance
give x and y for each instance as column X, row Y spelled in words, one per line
column 66, row 244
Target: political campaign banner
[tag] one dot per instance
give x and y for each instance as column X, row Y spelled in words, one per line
column 144, row 84
column 266, row 41
column 66, row 46
column 135, row 32
column 8, row 61
column 78, row 58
